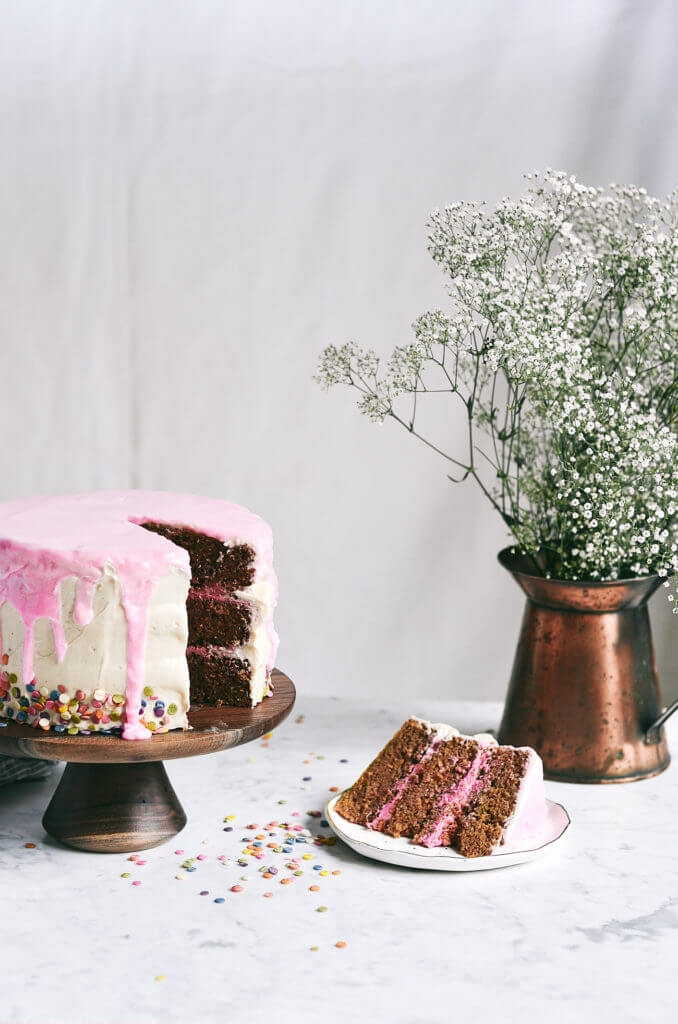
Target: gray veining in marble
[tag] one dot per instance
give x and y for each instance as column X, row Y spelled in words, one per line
column 587, row 934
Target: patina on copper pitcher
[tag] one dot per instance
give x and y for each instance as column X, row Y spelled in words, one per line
column 584, row 690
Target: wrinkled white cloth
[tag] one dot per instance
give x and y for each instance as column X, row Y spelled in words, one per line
column 18, row 769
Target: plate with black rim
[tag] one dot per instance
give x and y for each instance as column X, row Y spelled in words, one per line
column 406, row 854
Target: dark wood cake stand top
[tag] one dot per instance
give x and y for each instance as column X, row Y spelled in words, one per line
column 114, row 795
column 212, row 729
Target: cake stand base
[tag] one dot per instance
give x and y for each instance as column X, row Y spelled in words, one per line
column 114, row 795
column 114, row 808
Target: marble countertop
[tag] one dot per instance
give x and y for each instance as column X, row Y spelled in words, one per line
column 588, row 933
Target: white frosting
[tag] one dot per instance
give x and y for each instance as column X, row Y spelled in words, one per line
column 95, row 657
column 257, row 651
column 448, row 732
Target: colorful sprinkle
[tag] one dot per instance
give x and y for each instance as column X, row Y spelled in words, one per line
column 236, row 888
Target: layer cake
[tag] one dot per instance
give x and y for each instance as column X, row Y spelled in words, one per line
column 116, row 606
column 439, row 788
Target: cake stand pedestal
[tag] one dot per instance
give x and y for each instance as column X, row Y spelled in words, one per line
column 114, row 795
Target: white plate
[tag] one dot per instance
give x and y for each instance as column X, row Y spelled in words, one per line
column 407, row 854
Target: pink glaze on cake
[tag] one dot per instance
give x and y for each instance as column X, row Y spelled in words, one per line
column 527, row 822
column 46, row 540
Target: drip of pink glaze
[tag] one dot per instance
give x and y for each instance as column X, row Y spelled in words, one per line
column 453, row 803
column 136, row 599
column 83, row 609
column 27, row 670
column 43, row 541
column 385, row 811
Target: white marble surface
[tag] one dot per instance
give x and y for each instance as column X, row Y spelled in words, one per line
column 585, row 935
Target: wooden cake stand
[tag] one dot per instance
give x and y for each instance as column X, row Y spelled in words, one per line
column 114, row 795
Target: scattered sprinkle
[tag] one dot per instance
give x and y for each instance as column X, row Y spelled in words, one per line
column 236, row 888
column 220, row 899
column 321, row 910
column 340, row 945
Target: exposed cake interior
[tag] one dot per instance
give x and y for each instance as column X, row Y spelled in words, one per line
column 451, row 790
column 228, row 613
column 380, row 783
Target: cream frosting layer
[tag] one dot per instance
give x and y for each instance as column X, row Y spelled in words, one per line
column 127, row 584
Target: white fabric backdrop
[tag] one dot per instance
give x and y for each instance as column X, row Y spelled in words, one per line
column 196, row 197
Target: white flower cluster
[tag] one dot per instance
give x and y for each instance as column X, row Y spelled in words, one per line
column 563, row 346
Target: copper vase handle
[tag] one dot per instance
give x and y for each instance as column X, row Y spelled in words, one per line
column 652, row 733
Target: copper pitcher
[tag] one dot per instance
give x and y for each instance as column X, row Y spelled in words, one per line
column 584, row 690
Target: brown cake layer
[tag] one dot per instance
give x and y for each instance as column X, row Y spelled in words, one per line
column 436, row 776
column 377, row 784
column 480, row 828
column 218, row 677
column 212, row 562
column 217, row 620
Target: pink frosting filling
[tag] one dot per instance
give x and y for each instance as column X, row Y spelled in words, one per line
column 402, row 785
column 454, row 802
column 43, row 541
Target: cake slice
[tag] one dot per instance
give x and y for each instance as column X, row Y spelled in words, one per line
column 446, row 789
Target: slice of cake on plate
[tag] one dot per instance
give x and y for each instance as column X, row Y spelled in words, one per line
column 116, row 605
column 439, row 788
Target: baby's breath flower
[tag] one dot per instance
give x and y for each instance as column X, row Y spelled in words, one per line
column 560, row 348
